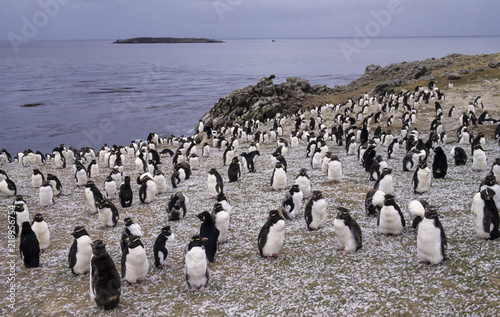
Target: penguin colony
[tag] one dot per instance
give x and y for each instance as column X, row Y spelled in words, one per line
column 339, row 134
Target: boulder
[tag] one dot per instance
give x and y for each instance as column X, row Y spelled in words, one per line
column 454, row 76
column 494, row 64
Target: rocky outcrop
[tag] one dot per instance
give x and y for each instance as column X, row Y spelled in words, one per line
column 262, row 101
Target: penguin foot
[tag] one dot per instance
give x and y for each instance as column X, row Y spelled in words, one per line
column 192, row 289
column 165, row 266
column 202, row 288
column 341, row 249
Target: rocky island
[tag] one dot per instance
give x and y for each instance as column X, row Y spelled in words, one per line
column 165, row 40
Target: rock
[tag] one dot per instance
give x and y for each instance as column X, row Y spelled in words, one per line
column 454, row 76
column 463, row 71
column 494, row 64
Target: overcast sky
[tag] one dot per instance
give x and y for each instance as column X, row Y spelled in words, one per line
column 113, row 19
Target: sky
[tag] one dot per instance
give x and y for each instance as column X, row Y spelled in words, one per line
column 220, row 19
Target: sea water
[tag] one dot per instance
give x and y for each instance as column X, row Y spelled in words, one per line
column 87, row 93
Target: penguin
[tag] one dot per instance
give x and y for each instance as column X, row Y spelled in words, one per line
column 485, row 214
column 316, row 159
column 80, row 251
column 80, row 175
column 221, row 219
column 132, row 228
column 92, row 196
column 147, row 191
column 41, row 230
column 421, row 178
column 491, row 182
column 390, row 220
column 479, row 139
column 272, row 236
column 18, row 216
column 221, row 198
column 196, row 265
column 8, row 187
column 209, row 230
column 116, row 174
column 3, row 175
column 228, row 155
column 374, row 201
column 194, row 161
column 440, row 163
column 46, row 195
column 55, row 183
column 495, row 168
column 315, row 213
column 304, row 183
column 140, row 164
column 249, row 158
column 278, row 178
column 205, row 150
column 348, row 231
column 29, row 248
column 105, row 282
column 134, row 262
column 37, row 179
column 5, row 156
column 176, row 207
column 385, row 182
column 416, row 210
column 431, row 238
column 459, row 155
column 110, row 188
column 163, row 247
column 452, row 110
column 292, row 202
column 479, row 159
column 392, row 148
column 108, row 214
column 160, row 181
column 93, row 169
column 58, row 157
column 126, row 195
column 234, row 171
column 214, row 183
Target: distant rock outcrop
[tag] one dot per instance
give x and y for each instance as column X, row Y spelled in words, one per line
column 262, row 101
column 165, row 40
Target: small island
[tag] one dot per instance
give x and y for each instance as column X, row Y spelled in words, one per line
column 165, row 40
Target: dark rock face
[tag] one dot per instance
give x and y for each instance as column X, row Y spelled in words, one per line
column 261, row 101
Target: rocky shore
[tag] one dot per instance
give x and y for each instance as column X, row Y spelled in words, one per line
column 266, row 98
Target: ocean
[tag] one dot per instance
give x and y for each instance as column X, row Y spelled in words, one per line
column 87, row 93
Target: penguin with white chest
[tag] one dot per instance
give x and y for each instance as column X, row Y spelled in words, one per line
column 478, row 158
column 422, row 178
column 304, row 183
column 134, row 263
column 29, row 248
column 221, row 219
column 292, row 202
column 41, row 230
column 431, row 238
column 348, row 231
column 37, row 178
column 416, row 210
column 176, row 207
column 46, row 195
column 80, row 175
column 385, row 182
column 18, row 216
column 196, row 265
column 214, row 183
column 55, row 183
column 110, row 188
column 105, row 282
column 315, row 213
column 92, row 197
column 8, row 187
column 485, row 215
column 278, row 178
column 272, row 236
column 334, row 173
column 163, row 247
column 108, row 213
column 80, row 251
column 390, row 220
column 147, row 191
column 161, row 182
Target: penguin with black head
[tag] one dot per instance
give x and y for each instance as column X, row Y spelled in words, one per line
column 348, row 231
column 105, row 282
column 163, row 247
column 29, row 248
column 209, row 231
column 272, row 236
column 431, row 238
column 80, row 252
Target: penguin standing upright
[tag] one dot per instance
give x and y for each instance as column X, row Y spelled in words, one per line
column 221, row 219
column 110, row 188
column 92, row 196
column 478, row 159
column 105, row 283
column 416, row 210
column 315, row 213
column 234, row 172
column 160, row 181
column 80, row 251
column 385, row 182
column 210, row 232
column 374, row 201
column 147, row 191
column 272, row 236
column 29, row 247
column 422, row 178
column 196, row 265
column 176, row 207
column 495, row 168
column 19, row 215
column 348, row 231
column 431, row 239
column 132, row 228
column 134, row 263
column 93, row 169
column 221, row 198
column 41, row 229
column 37, row 178
column 485, row 214
column 214, row 183
column 163, row 247
column 194, row 161
column 80, row 175
column 334, row 170
column 440, row 164
column 278, row 178
column 304, row 183
column 108, row 214
column 292, row 202
column 126, row 194
column 390, row 220
column 55, row 183
column 46, row 195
